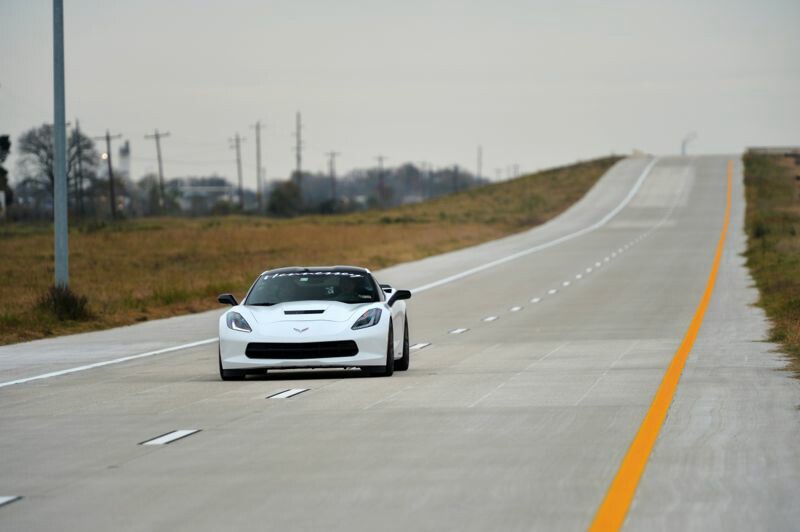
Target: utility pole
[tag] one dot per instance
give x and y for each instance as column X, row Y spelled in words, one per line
column 108, row 138
column 332, row 170
column 259, row 190
column 381, row 186
column 480, row 162
column 237, row 145
column 298, row 149
column 60, row 219
column 158, row 136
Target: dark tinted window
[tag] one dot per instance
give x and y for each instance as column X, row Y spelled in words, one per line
column 343, row 286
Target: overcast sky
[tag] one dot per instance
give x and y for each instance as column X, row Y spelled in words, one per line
column 536, row 83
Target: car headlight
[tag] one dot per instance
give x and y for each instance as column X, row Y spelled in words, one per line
column 368, row 319
column 237, row 322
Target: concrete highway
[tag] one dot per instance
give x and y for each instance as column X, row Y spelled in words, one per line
column 537, row 359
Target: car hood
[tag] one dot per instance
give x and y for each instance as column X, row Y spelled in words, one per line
column 307, row 311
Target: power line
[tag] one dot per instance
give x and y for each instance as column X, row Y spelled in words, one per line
column 479, row 169
column 332, row 169
column 237, row 145
column 112, row 197
column 157, row 136
column 259, row 191
column 381, row 185
column 298, row 149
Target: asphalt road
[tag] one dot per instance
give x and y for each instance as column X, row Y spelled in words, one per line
column 520, row 422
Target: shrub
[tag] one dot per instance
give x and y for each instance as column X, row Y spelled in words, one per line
column 64, row 304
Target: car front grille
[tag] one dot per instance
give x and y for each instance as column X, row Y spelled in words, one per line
column 298, row 351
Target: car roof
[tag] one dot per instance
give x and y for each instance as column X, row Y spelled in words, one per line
column 298, row 269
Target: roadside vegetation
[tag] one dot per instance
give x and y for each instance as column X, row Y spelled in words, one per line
column 136, row 270
column 772, row 185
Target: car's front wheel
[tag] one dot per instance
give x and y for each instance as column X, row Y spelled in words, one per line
column 229, row 374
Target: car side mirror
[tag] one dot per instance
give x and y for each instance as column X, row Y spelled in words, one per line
column 398, row 295
column 227, row 299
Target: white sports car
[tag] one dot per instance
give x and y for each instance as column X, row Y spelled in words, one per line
column 316, row 317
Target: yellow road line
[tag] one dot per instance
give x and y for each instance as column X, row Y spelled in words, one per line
column 612, row 512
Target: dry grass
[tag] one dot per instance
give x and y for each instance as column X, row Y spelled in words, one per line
column 151, row 268
column 773, row 250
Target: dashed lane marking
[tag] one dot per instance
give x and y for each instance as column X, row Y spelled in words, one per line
column 285, row 394
column 417, row 347
column 170, row 437
column 8, row 499
column 458, row 331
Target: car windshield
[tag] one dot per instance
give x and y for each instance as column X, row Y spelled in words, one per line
column 314, row 285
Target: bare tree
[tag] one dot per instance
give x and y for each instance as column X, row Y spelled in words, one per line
column 36, row 151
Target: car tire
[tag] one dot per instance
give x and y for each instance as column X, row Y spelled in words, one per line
column 229, row 374
column 388, row 369
column 403, row 363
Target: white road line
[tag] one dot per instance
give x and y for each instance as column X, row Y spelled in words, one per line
column 170, row 437
column 489, row 318
column 579, row 276
column 536, row 299
column 606, row 259
column 8, row 499
column 458, row 331
column 491, row 264
column 588, row 270
column 565, row 283
column 287, row 393
column 515, row 309
column 552, row 291
column 631, row 193
column 598, row 264
column 417, row 347
column 108, row 362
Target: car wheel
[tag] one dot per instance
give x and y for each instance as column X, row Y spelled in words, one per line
column 229, row 374
column 388, row 369
column 403, row 363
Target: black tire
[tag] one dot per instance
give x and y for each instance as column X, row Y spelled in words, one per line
column 405, row 361
column 388, row 369
column 230, row 374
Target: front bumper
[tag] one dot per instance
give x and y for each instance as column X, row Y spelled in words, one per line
column 371, row 343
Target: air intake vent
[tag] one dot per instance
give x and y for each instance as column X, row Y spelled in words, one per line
column 297, row 351
column 304, row 311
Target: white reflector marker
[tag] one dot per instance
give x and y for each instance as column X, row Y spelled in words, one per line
column 458, row 331
column 489, row 318
column 515, row 309
column 417, row 347
column 170, row 437
column 287, row 393
column 8, row 499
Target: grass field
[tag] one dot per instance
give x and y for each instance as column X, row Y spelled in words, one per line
column 773, row 254
column 142, row 269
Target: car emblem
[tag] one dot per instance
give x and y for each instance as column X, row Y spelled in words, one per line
column 304, row 329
